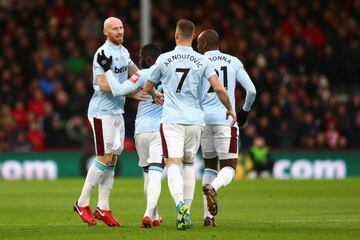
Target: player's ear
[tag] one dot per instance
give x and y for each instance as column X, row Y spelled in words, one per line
column 206, row 45
column 105, row 32
column 177, row 35
column 148, row 60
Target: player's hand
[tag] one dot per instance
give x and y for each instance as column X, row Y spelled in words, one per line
column 233, row 115
column 242, row 117
column 104, row 61
column 158, row 98
column 139, row 95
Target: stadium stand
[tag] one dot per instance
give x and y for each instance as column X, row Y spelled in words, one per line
column 303, row 57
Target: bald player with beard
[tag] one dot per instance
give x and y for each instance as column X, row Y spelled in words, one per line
column 111, row 68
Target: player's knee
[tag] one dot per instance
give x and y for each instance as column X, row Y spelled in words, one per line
column 146, row 169
column 170, row 161
column 157, row 166
column 101, row 159
column 228, row 163
column 211, row 163
column 209, row 155
column 114, row 159
column 189, row 160
column 106, row 159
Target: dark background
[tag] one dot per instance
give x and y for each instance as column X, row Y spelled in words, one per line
column 303, row 57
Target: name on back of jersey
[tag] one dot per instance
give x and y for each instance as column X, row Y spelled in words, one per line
column 219, row 58
column 193, row 59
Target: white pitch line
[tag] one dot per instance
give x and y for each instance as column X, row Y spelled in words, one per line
column 297, row 220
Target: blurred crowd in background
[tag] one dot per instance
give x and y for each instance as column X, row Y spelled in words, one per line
column 303, row 57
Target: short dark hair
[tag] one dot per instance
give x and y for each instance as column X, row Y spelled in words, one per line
column 211, row 37
column 186, row 28
column 151, row 49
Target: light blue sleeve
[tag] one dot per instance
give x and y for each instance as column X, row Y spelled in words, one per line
column 243, row 78
column 209, row 70
column 130, row 63
column 155, row 71
column 120, row 89
column 97, row 69
column 142, row 79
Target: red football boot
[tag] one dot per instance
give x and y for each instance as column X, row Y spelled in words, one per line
column 157, row 222
column 106, row 217
column 146, row 222
column 85, row 214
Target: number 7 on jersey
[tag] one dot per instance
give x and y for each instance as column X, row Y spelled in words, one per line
column 185, row 72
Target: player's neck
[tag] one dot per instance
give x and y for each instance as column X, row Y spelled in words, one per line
column 212, row 49
column 183, row 43
column 112, row 43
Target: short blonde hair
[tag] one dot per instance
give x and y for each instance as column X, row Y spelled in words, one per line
column 185, row 28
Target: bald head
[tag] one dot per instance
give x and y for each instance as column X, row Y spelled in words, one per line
column 114, row 30
column 208, row 40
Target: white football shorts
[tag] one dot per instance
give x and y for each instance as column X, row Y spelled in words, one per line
column 180, row 141
column 109, row 134
column 221, row 141
column 148, row 148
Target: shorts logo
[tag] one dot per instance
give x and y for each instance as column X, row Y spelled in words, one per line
column 109, row 145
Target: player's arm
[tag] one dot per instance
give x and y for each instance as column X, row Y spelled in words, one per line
column 223, row 97
column 103, row 83
column 220, row 91
column 138, row 80
column 149, row 88
column 245, row 81
column 107, row 81
column 155, row 76
column 133, row 69
column 138, row 94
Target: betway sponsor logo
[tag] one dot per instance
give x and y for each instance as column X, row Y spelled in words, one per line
column 29, row 170
column 306, row 169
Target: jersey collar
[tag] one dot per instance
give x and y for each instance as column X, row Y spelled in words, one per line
column 183, row 48
column 112, row 45
column 212, row 52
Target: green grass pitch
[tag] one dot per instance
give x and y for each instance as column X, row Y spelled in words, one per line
column 257, row 209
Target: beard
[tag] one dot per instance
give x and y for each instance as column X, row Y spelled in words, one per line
column 116, row 40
